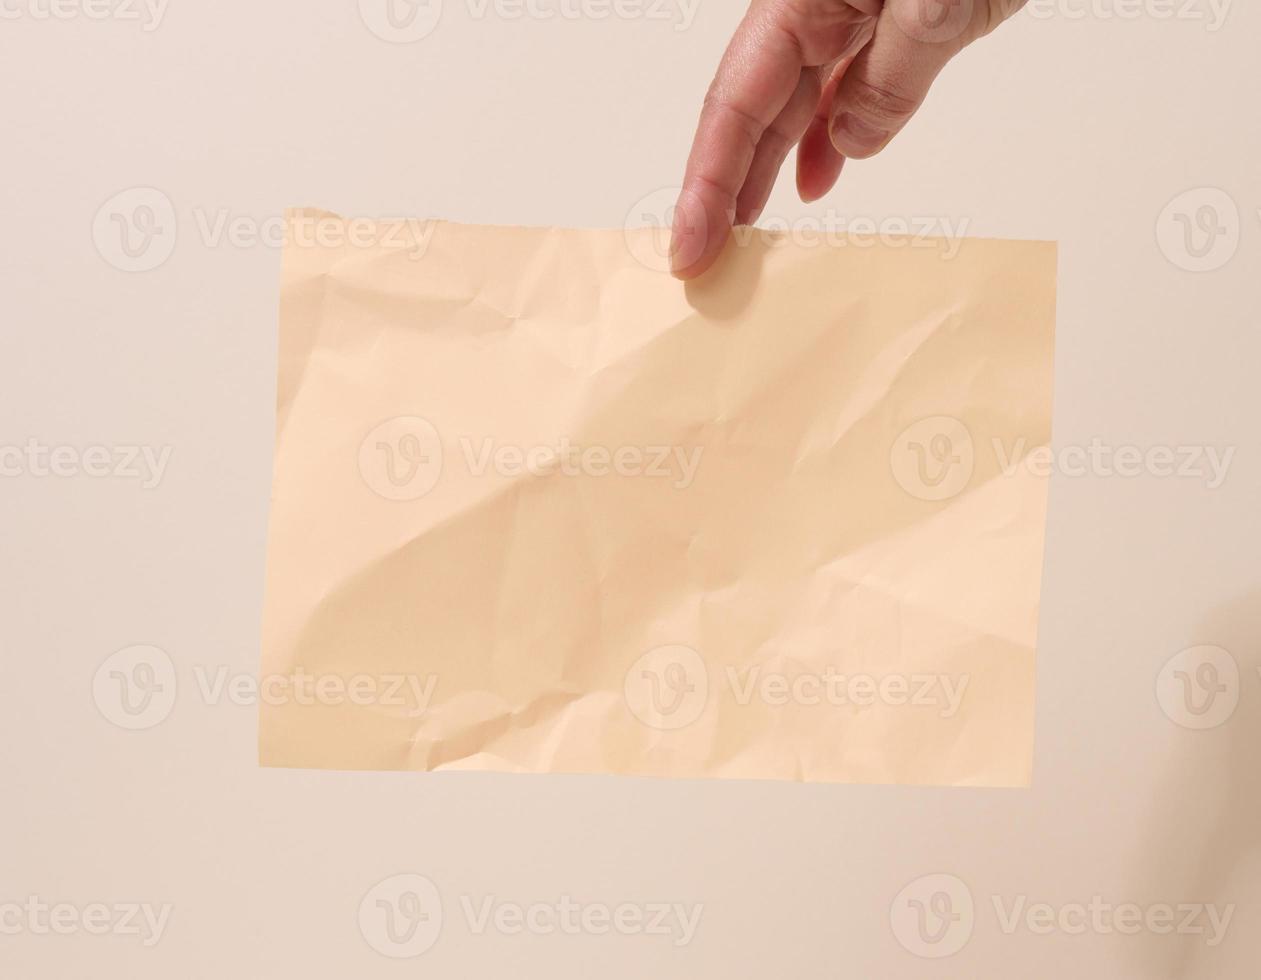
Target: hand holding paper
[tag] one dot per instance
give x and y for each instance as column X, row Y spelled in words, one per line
column 835, row 78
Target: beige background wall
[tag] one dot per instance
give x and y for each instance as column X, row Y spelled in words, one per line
column 1081, row 121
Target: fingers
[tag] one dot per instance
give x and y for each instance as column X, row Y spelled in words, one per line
column 818, row 162
column 757, row 78
column 766, row 91
column 762, row 94
column 886, row 83
column 780, row 137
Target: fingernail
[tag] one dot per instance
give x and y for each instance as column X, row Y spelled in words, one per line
column 856, row 138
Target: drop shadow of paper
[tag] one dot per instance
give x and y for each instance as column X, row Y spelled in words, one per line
column 1214, row 792
column 724, row 291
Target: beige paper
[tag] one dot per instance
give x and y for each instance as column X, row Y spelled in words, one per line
column 538, row 507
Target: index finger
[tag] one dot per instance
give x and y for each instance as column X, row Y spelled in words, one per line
column 757, row 76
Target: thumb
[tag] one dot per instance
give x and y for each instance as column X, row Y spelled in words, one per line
column 890, row 77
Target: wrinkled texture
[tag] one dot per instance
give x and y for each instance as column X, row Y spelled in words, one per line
column 802, row 548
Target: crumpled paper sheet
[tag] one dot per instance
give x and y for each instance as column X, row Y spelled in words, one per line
column 538, row 507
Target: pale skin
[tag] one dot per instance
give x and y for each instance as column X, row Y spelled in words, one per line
column 835, row 78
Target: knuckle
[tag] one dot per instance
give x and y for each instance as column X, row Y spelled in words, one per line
column 746, row 123
column 882, row 102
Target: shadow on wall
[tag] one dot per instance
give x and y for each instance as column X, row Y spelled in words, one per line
column 1207, row 815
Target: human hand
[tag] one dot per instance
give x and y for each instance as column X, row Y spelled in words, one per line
column 836, row 78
